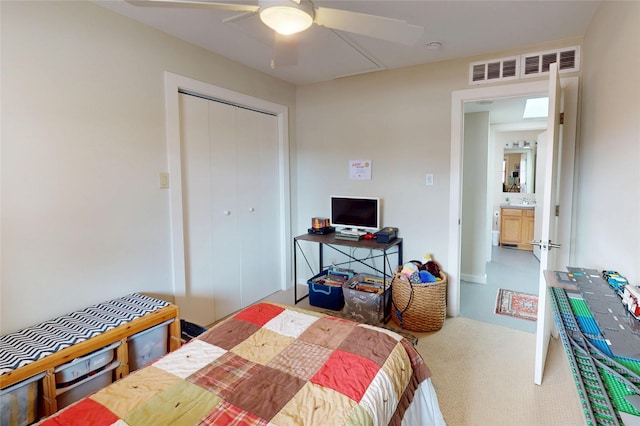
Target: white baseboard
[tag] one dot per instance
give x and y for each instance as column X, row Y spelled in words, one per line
column 479, row 279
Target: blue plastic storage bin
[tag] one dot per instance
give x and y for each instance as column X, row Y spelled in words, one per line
column 325, row 296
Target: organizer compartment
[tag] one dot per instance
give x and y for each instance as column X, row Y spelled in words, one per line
column 19, row 403
column 147, row 346
column 82, row 366
column 68, row 395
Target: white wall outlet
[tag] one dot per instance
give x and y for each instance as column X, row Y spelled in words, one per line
column 164, row 180
column 429, row 179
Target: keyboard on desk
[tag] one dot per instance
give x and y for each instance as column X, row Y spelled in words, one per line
column 354, row 232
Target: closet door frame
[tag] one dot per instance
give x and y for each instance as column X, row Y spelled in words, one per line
column 173, row 84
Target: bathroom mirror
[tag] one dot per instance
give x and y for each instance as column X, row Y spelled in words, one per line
column 519, row 167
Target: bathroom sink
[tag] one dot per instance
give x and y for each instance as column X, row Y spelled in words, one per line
column 520, row 203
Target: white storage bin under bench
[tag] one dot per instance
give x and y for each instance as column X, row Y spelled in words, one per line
column 74, row 353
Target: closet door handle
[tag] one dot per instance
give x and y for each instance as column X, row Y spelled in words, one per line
column 251, row 209
column 227, row 212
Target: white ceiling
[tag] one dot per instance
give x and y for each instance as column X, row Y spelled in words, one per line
column 465, row 28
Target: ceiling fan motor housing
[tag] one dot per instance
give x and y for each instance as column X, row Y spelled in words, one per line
column 286, row 17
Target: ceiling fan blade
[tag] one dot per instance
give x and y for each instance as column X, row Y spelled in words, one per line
column 239, row 17
column 196, row 3
column 389, row 29
column 285, row 51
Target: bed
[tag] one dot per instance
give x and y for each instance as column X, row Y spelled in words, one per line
column 272, row 364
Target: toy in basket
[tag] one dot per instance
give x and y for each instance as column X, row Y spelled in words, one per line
column 418, row 305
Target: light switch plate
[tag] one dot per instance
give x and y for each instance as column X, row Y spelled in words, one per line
column 429, row 179
column 164, row 180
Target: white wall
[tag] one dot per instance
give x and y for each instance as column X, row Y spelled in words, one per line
column 400, row 119
column 608, row 196
column 83, row 143
column 475, row 213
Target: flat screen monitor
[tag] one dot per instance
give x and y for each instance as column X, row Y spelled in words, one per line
column 357, row 213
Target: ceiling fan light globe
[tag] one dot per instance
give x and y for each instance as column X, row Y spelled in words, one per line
column 286, row 20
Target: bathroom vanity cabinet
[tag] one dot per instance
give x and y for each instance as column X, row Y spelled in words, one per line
column 516, row 227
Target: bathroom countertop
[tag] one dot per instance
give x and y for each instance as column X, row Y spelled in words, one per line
column 517, row 206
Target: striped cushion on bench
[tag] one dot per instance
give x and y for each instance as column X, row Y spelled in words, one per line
column 33, row 343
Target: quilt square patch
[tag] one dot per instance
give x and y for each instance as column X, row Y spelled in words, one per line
column 314, row 405
column 134, row 390
column 380, row 400
column 369, row 344
column 259, row 314
column 301, row 359
column 347, row 373
column 230, row 415
column 397, row 369
column 262, row 346
column 85, row 412
column 328, row 332
column 181, row 404
column 266, row 392
column 193, row 356
column 229, row 333
column 290, row 323
column 225, row 374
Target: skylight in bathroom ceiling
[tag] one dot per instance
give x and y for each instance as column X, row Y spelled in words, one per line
column 536, row 108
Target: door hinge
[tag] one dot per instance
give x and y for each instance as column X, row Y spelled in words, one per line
column 561, row 118
column 557, row 211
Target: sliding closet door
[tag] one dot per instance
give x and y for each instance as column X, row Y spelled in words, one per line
column 225, row 214
column 258, row 191
column 231, row 207
column 198, row 218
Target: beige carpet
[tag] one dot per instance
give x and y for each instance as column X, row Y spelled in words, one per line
column 483, row 374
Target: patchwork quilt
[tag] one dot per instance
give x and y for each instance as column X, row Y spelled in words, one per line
column 268, row 364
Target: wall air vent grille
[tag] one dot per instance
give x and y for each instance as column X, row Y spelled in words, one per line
column 528, row 65
column 536, row 64
column 494, row 70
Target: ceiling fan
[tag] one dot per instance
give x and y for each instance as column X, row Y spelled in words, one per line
column 289, row 17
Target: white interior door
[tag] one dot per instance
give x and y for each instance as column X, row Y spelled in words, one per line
column 547, row 235
column 258, row 204
column 196, row 178
column 223, row 199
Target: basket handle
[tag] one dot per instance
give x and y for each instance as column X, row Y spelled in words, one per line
column 401, row 277
column 320, row 289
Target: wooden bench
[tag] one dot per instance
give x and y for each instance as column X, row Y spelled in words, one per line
column 120, row 334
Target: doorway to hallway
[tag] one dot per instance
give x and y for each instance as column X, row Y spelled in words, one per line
column 509, row 269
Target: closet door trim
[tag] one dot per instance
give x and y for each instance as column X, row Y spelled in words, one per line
column 175, row 83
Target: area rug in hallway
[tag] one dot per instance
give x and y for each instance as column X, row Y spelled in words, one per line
column 517, row 304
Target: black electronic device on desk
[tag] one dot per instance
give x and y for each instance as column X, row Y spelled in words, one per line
column 321, row 226
column 322, row 231
column 386, row 235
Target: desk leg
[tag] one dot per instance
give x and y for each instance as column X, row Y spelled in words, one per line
column 385, row 308
column 296, row 247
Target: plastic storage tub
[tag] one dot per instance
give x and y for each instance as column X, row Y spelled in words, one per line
column 68, row 395
column 325, row 296
column 82, row 366
column 19, row 403
column 366, row 307
column 148, row 345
